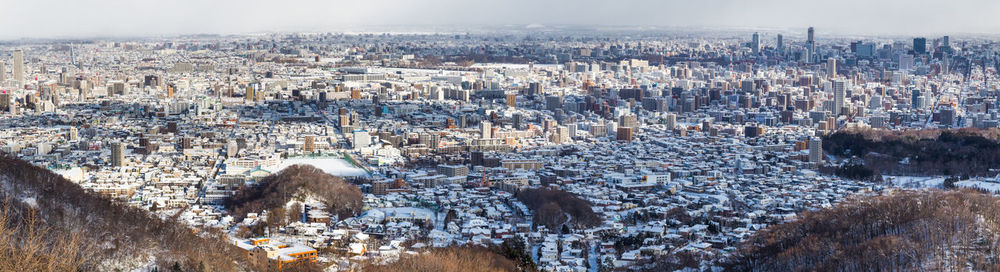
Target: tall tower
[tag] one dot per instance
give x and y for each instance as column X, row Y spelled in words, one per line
column 19, row 67
column 3, row 72
column 248, row 96
column 755, row 43
column 811, row 44
column 117, row 154
column 486, row 129
column 781, row 44
column 815, row 150
column 839, row 94
column 831, row 68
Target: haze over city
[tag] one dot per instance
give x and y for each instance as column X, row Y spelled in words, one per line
column 119, row 18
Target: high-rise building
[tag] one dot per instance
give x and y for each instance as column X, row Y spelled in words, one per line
column 920, row 45
column 73, row 134
column 755, row 43
column 839, row 94
column 3, row 71
column 625, row 134
column 5, row 101
column 629, row 120
column 815, row 150
column 117, row 154
column 310, row 144
column 250, row 94
column 362, row 139
column 671, row 120
column 781, row 44
column 232, row 148
column 811, row 45
column 486, row 129
column 345, row 120
column 535, row 88
column 831, row 67
column 553, row 102
column 18, row 67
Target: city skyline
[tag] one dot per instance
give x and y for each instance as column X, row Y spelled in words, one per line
column 145, row 18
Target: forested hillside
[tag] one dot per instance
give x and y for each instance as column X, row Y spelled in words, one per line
column 48, row 223
column 972, row 152
column 907, row 231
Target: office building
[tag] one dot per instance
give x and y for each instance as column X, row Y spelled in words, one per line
column 831, row 67
column 781, row 44
column 486, row 129
column 117, row 154
column 18, row 59
column 920, row 45
column 810, row 45
column 839, row 95
column 310, row 144
column 362, row 139
column 815, row 150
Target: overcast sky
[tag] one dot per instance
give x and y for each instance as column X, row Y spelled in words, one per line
column 90, row 18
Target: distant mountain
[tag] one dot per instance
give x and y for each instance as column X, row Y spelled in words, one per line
column 906, row 231
column 51, row 224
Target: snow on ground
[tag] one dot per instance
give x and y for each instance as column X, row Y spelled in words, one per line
column 75, row 174
column 915, row 182
column 990, row 186
column 333, row 166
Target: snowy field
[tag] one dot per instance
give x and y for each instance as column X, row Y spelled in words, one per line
column 988, row 184
column 333, row 166
column 915, row 182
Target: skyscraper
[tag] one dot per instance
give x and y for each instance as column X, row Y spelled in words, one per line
column 815, row 150
column 920, row 45
column 249, row 95
column 831, row 67
column 3, row 71
column 755, row 43
column 19, row 67
column 781, row 44
column 486, row 129
column 117, row 154
column 670, row 120
column 839, row 93
column 811, row 45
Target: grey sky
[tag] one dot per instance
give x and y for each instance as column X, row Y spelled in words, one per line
column 87, row 18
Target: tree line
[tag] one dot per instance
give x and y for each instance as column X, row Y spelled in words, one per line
column 972, row 152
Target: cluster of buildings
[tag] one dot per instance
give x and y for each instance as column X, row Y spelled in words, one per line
column 681, row 144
